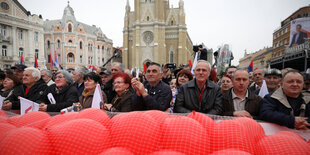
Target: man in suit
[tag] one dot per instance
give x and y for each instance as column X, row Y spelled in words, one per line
column 298, row 37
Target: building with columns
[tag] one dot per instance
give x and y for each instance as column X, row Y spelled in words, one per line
column 76, row 43
column 154, row 31
column 21, row 32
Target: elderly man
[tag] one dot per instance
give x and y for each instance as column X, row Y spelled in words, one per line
column 47, row 75
column 78, row 75
column 273, row 79
column 258, row 77
column 18, row 71
column 153, row 94
column 32, row 89
column 116, row 67
column 200, row 94
column 239, row 101
column 287, row 106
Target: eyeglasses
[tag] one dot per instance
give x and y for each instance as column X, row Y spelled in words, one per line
column 118, row 82
column 59, row 77
column 54, row 70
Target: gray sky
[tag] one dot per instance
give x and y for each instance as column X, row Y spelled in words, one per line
column 243, row 24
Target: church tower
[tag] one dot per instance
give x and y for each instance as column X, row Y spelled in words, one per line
column 154, row 31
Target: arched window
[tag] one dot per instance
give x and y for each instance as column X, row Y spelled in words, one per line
column 4, row 50
column 21, row 50
column 69, row 28
column 171, row 57
column 58, row 43
column 98, row 47
column 102, row 48
column 48, row 44
column 36, row 52
column 171, row 22
column 70, row 41
column 70, row 58
column 147, row 18
column 81, row 45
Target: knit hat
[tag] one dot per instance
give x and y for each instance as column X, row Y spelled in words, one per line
column 67, row 75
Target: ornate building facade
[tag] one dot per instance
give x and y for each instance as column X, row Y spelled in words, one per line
column 76, row 43
column 21, row 33
column 154, row 31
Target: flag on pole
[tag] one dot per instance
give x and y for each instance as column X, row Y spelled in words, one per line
column 90, row 68
column 250, row 68
column 22, row 61
column 94, row 69
column 35, row 62
column 195, row 63
column 97, row 98
column 56, row 60
column 27, row 106
column 144, row 67
column 263, row 90
column 190, row 63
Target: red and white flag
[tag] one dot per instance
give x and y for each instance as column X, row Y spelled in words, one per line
column 27, row 106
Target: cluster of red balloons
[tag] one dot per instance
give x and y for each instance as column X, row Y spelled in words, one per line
column 91, row 131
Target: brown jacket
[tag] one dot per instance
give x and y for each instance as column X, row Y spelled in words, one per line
column 89, row 100
column 122, row 103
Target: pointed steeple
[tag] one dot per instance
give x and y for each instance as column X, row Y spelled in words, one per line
column 68, row 15
column 127, row 6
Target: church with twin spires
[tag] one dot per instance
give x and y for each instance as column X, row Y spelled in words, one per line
column 154, row 31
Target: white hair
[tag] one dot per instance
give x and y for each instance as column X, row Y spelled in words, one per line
column 35, row 72
column 199, row 61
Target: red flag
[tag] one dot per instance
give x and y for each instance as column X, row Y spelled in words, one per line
column 250, row 68
column 190, row 63
column 35, row 62
column 144, row 68
column 51, row 61
column 22, row 59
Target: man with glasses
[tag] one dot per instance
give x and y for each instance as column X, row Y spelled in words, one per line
column 152, row 94
column 200, row 94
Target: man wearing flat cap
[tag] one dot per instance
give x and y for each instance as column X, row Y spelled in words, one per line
column 273, row 78
column 18, row 71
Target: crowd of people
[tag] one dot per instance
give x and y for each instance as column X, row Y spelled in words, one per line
column 237, row 93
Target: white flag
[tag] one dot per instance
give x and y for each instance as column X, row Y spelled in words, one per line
column 195, row 63
column 51, row 98
column 263, row 90
column 1, row 101
column 27, row 106
column 97, row 98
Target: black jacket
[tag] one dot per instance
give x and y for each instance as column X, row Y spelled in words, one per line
column 252, row 104
column 158, row 98
column 80, row 88
column 34, row 94
column 109, row 91
column 64, row 98
column 187, row 99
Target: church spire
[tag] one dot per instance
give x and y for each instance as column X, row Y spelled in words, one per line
column 127, row 6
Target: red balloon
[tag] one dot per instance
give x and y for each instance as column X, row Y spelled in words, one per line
column 58, row 119
column 282, row 145
column 32, row 117
column 80, row 136
column 207, row 122
column 116, row 150
column 3, row 119
column 288, row 133
column 253, row 129
column 229, row 134
column 159, row 116
column 164, row 152
column 185, row 135
column 24, row 141
column 14, row 120
column 3, row 114
column 96, row 115
column 230, row 152
column 137, row 132
column 5, row 128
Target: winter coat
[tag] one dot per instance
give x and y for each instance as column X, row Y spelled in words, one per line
column 187, row 99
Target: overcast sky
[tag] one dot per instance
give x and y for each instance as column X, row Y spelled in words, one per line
column 243, row 24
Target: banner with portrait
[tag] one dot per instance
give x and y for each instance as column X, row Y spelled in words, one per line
column 300, row 29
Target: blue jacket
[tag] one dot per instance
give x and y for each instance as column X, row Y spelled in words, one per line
column 276, row 109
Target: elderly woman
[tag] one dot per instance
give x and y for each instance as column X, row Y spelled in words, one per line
column 63, row 91
column 226, row 83
column 122, row 102
column 9, row 83
column 91, row 80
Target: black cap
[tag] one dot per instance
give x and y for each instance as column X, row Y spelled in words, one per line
column 107, row 72
column 19, row 67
